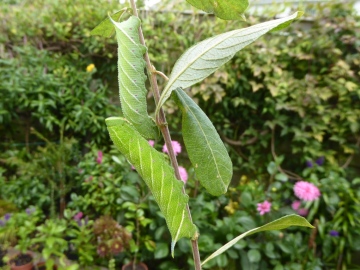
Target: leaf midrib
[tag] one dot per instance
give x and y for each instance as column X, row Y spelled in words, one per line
column 232, row 33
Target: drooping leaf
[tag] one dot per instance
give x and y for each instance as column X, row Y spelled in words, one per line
column 159, row 176
column 106, row 28
column 132, row 78
column 224, row 9
column 279, row 224
column 206, row 151
column 204, row 58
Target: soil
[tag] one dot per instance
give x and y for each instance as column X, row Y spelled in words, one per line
column 21, row 259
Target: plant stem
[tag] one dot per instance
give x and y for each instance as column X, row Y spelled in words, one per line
column 137, row 241
column 161, row 122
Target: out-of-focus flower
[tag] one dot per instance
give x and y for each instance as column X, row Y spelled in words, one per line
column 309, row 164
column 126, row 237
column 117, row 232
column 183, row 174
column 7, row 216
column 306, row 191
column 30, row 210
column 176, row 146
column 2, row 223
column 243, row 179
column 303, row 212
column 90, row 68
column 231, row 207
column 78, row 216
column 334, row 233
column 80, row 220
column 295, row 205
column 151, row 142
column 99, row 157
column 102, row 250
column 264, row 207
column 116, row 246
column 320, row 161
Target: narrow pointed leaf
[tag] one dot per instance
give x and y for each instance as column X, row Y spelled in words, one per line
column 132, row 78
column 106, row 28
column 204, row 58
column 279, row 224
column 206, row 151
column 159, row 176
column 224, row 9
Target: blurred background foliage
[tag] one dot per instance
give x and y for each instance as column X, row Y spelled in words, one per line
column 285, row 102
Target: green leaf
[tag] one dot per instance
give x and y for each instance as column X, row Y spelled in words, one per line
column 204, row 58
column 246, row 199
column 161, row 251
column 131, row 191
column 74, row 266
column 106, row 28
column 206, row 151
column 272, row 168
column 254, row 255
column 279, row 224
column 222, row 261
column 159, row 176
column 116, row 160
column 288, row 22
column 132, row 78
column 281, row 177
column 224, row 9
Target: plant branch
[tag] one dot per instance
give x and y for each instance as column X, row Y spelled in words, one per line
column 161, row 122
column 248, row 142
column 350, row 158
column 160, row 73
column 137, row 239
column 287, row 173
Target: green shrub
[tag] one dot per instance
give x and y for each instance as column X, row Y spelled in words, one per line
column 283, row 102
column 45, row 90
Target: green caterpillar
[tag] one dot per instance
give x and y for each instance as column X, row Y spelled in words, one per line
column 132, row 78
column 157, row 174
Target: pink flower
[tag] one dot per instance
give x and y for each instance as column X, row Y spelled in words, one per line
column 78, row 216
column 183, row 174
column 306, row 191
column 99, row 157
column 264, row 207
column 151, row 142
column 295, row 205
column 176, row 146
column 303, row 212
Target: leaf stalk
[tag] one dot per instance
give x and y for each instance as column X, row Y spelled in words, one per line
column 161, row 122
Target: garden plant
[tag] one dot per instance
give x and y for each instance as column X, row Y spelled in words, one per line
column 286, row 108
column 208, row 155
